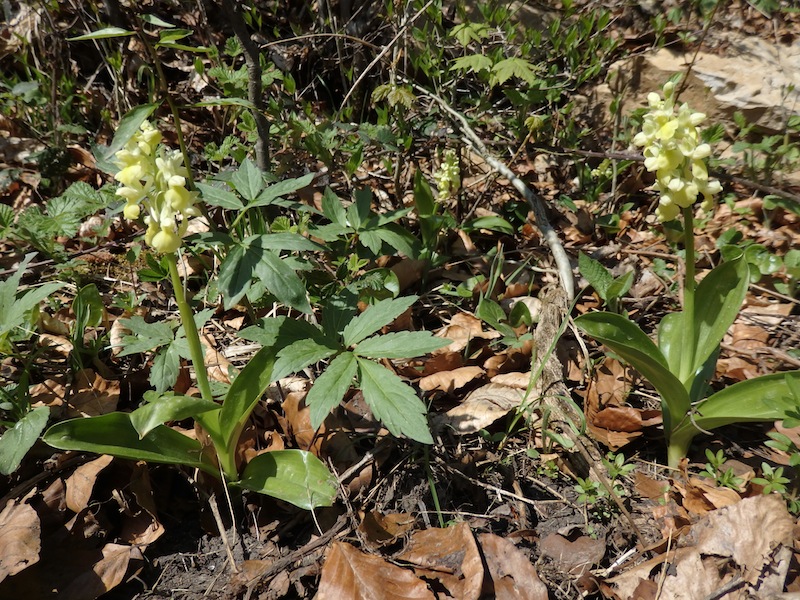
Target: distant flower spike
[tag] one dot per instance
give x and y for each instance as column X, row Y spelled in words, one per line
column 448, row 177
column 154, row 178
column 673, row 150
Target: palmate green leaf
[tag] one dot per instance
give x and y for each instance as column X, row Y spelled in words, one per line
column 217, row 196
column 399, row 239
column 146, row 336
column 15, row 442
column 512, row 67
column 402, row 344
column 393, row 402
column 632, row 344
column 332, row 208
column 280, row 332
column 375, row 317
column 294, row 476
column 474, row 63
column 248, row 180
column 330, row 387
column 168, row 407
column 114, row 434
column 166, row 367
column 282, row 281
column 371, row 239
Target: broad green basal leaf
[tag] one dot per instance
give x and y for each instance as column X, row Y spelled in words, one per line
column 294, row 476
column 169, row 407
column 15, row 442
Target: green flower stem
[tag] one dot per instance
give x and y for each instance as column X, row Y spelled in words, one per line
column 689, row 286
column 189, row 327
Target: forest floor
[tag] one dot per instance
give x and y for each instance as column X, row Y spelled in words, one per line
column 548, row 474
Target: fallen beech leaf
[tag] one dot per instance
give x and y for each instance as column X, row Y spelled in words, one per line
column 481, row 408
column 57, row 343
column 92, row 395
column 461, row 330
column 513, row 575
column 450, row 555
column 619, row 418
column 381, row 530
column 349, row 573
column 81, row 483
column 20, row 538
column 519, row 381
column 217, row 365
column 447, row 381
column 573, row 556
column 648, row 487
column 105, row 574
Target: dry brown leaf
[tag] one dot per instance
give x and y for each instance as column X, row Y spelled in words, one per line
column 217, row 365
column 518, row 381
column 574, row 556
column 56, row 343
column 450, row 555
column 448, row 381
column 141, row 526
column 349, row 573
column 20, row 538
column 513, row 575
column 481, row 408
column 380, row 530
column 81, row 483
column 461, row 330
column 105, row 574
column 747, row 532
column 92, row 395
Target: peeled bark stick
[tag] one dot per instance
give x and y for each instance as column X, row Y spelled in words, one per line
column 548, row 233
column 254, row 87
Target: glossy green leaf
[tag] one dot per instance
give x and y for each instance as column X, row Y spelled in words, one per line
column 393, row 402
column 245, row 391
column 102, row 34
column 15, row 442
column 632, row 344
column 166, row 408
column 281, row 188
column 166, row 367
column 670, row 340
column 403, row 344
column 423, row 196
column 114, row 434
column 620, row 286
column 281, row 280
column 294, row 476
column 375, row 317
column 718, row 298
column 330, row 387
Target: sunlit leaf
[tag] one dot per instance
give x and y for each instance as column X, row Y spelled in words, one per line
column 330, row 387
column 402, row 344
column 375, row 317
column 16, row 441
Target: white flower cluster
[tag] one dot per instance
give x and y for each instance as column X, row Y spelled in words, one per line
column 672, row 150
column 155, row 178
column 448, row 176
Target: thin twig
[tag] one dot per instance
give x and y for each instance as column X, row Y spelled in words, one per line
column 537, row 205
column 223, row 533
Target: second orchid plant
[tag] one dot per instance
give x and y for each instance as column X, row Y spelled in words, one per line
column 682, row 361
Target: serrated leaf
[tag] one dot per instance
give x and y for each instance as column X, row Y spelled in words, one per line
column 375, row 317
column 371, row 239
column 217, row 196
column 226, row 102
column 294, row 476
column 166, row 408
column 330, row 387
column 145, row 336
column 298, row 355
column 276, row 190
column 16, row 441
column 282, row 281
column 399, row 239
column 293, row 242
column 332, row 208
column 248, row 180
column 507, row 68
column 475, row 63
column 402, row 344
column 165, row 369
column 393, row 402
column 596, row 274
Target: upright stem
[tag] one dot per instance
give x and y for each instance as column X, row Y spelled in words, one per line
column 192, row 336
column 688, row 296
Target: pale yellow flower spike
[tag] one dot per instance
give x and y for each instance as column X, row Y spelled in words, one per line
column 672, row 149
column 154, row 179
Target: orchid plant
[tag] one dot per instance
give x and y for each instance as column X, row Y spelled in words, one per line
column 154, row 185
column 682, row 361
